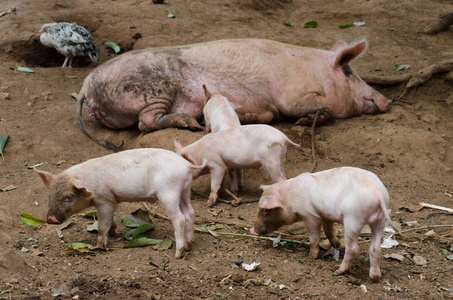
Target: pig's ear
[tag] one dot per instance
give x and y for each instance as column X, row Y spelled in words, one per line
column 339, row 45
column 82, row 189
column 346, row 55
column 274, row 200
column 206, row 93
column 263, row 187
column 46, row 177
column 178, row 145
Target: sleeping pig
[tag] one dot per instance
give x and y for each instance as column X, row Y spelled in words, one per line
column 269, row 81
column 129, row 176
column 247, row 146
column 351, row 196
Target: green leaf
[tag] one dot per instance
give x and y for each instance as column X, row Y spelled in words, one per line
column 30, row 220
column 172, row 16
column 3, row 140
column 346, row 25
column 288, row 23
column 142, row 242
column 80, row 248
column 91, row 214
column 311, row 24
column 359, row 23
column 390, row 29
column 70, row 76
column 114, row 46
column 166, row 244
column 75, row 96
column 25, row 70
column 401, row 67
column 445, row 252
column 213, row 226
column 134, row 233
column 93, row 227
column 136, row 218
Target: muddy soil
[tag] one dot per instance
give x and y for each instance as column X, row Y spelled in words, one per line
column 410, row 148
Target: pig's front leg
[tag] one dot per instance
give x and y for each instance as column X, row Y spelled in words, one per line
column 313, row 225
column 217, row 174
column 105, row 215
column 155, row 117
column 234, row 180
column 187, row 210
column 307, row 108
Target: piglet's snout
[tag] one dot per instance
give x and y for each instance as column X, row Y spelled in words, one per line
column 52, row 220
column 253, row 232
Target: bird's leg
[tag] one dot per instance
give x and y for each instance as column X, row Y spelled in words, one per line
column 65, row 61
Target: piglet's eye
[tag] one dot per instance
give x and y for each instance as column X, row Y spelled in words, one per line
column 67, row 199
column 266, row 211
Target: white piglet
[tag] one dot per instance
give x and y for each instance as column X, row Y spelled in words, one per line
column 351, row 196
column 247, row 146
column 128, row 176
column 220, row 115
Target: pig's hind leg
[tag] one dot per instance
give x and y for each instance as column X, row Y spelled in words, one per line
column 352, row 228
column 187, row 210
column 216, row 181
column 156, row 116
column 171, row 201
column 273, row 162
column 330, row 233
column 377, row 229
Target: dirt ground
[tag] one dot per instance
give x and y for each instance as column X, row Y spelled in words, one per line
column 410, row 148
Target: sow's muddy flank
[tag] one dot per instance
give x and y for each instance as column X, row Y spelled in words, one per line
column 409, row 147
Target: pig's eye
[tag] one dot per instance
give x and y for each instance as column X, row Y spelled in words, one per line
column 67, row 199
column 266, row 211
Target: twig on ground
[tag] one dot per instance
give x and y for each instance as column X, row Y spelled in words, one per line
column 391, row 80
column 236, row 201
column 441, row 24
column 424, row 74
column 313, row 150
column 446, row 270
column 436, row 207
column 154, row 213
column 10, row 11
column 427, row 227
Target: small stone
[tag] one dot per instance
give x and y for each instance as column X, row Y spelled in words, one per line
column 239, row 262
column 238, row 278
column 24, row 250
column 419, row 260
column 4, row 88
column 5, row 96
column 272, row 291
column 395, row 256
column 450, row 257
column 14, row 281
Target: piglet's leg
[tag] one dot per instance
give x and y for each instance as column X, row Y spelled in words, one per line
column 233, row 175
column 155, row 116
column 105, row 214
column 352, row 230
column 375, row 249
column 187, row 210
column 171, row 202
column 216, row 181
column 273, row 163
column 330, row 233
column 240, row 180
column 313, row 225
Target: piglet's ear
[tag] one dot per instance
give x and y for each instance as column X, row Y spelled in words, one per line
column 272, row 200
column 81, row 188
column 178, row 145
column 340, row 45
column 46, row 177
column 207, row 93
column 346, row 55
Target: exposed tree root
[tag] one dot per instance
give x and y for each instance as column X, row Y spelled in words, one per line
column 441, row 24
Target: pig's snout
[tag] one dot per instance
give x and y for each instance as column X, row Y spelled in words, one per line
column 375, row 103
column 52, row 220
column 253, row 232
